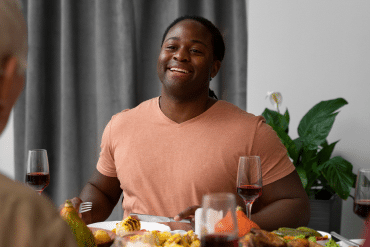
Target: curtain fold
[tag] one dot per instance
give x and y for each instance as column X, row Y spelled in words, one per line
column 90, row 59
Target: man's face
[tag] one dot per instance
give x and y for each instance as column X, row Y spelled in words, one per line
column 186, row 62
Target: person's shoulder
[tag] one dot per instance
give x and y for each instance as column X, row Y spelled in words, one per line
column 11, row 187
column 37, row 213
column 15, row 194
column 144, row 106
column 234, row 111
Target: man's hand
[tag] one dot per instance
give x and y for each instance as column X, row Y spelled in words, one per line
column 76, row 202
column 188, row 213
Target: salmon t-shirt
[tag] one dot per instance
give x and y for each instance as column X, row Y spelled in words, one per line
column 164, row 167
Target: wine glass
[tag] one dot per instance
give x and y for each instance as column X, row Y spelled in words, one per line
column 37, row 175
column 361, row 204
column 249, row 180
column 218, row 223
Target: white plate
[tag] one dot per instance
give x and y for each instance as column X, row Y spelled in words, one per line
column 325, row 234
column 358, row 241
column 323, row 242
column 149, row 226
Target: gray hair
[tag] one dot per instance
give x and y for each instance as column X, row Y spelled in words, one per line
column 13, row 34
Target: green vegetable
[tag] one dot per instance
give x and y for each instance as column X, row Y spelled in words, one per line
column 300, row 236
column 311, row 231
column 312, row 239
column 331, row 243
column 285, row 231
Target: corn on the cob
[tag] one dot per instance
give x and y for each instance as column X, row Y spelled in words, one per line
column 129, row 224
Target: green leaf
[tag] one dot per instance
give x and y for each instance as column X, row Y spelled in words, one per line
column 280, row 124
column 318, row 121
column 292, row 151
column 316, row 168
column 338, row 173
column 302, row 175
column 287, row 116
column 325, row 153
column 308, row 158
column 275, row 119
column 318, row 132
column 298, row 143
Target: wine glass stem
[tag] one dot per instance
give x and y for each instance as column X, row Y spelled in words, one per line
column 248, row 210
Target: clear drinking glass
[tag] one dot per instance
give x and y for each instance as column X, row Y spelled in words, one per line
column 218, row 223
column 361, row 204
column 249, row 180
column 37, row 175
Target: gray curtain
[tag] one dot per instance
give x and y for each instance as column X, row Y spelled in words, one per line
column 89, row 59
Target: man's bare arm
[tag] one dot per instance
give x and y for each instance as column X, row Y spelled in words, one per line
column 104, row 192
column 284, row 203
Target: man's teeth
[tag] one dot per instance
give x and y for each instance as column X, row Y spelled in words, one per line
column 179, row 70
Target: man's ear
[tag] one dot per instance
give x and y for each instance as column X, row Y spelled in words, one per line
column 215, row 67
column 8, row 77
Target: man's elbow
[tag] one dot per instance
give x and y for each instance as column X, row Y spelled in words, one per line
column 303, row 212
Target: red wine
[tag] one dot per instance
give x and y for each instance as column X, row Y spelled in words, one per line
column 38, row 180
column 362, row 208
column 218, row 240
column 249, row 192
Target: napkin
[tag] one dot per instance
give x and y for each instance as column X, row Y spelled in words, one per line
column 213, row 217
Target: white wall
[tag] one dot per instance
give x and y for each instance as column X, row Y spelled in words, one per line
column 312, row 51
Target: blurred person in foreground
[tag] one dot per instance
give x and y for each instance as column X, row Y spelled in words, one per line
column 26, row 218
column 169, row 151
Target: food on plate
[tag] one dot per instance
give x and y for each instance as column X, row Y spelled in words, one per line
column 129, row 224
column 312, row 231
column 82, row 233
column 244, row 223
column 101, row 237
column 332, row 243
column 301, row 242
column 258, row 237
column 301, row 232
column 166, row 239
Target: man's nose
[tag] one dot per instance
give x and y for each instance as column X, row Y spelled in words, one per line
column 182, row 55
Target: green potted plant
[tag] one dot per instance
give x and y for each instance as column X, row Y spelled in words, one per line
column 322, row 176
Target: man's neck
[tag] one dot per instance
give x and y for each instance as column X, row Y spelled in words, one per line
column 180, row 111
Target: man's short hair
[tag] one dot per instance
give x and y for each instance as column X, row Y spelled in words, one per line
column 13, row 34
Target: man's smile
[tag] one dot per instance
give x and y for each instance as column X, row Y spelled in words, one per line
column 179, row 70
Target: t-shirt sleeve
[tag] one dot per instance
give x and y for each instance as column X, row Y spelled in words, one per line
column 275, row 161
column 106, row 164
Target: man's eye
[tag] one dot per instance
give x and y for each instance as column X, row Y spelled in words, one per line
column 170, row 47
column 195, row 51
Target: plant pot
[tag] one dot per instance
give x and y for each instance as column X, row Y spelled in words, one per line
column 326, row 214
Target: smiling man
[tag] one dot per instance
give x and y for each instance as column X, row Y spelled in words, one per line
column 168, row 152
column 185, row 66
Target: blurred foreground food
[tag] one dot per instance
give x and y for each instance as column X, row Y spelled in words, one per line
column 127, row 225
column 101, row 237
column 82, row 233
column 258, row 237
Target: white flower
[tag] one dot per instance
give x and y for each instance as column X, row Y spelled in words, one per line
column 275, row 98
